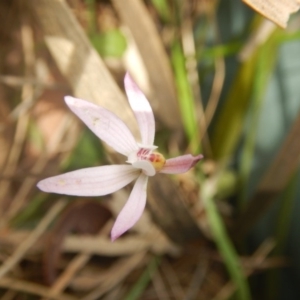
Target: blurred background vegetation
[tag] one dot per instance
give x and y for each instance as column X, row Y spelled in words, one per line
column 222, row 80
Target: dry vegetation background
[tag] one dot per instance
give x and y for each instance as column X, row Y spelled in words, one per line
column 222, row 81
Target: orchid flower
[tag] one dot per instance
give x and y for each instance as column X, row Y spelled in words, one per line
column 142, row 160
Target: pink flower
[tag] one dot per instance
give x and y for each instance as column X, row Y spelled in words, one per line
column 142, row 160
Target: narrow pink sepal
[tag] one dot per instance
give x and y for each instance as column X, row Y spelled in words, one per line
column 133, row 208
column 180, row 164
column 97, row 181
column 105, row 124
column 142, row 110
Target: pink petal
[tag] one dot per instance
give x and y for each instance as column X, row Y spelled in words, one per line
column 142, row 110
column 97, row 181
column 133, row 208
column 106, row 125
column 180, row 164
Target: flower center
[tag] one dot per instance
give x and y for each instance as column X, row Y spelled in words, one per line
column 155, row 158
column 148, row 161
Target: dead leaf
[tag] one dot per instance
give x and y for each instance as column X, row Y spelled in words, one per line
column 277, row 11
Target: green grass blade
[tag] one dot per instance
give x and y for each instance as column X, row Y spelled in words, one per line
column 185, row 96
column 223, row 242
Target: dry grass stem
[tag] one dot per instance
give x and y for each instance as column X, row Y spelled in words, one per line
column 103, row 246
column 19, row 252
column 77, row 263
column 30, row 288
column 20, row 198
column 160, row 287
column 173, row 280
column 98, row 245
column 198, row 277
column 117, row 274
column 22, row 123
column 68, row 274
